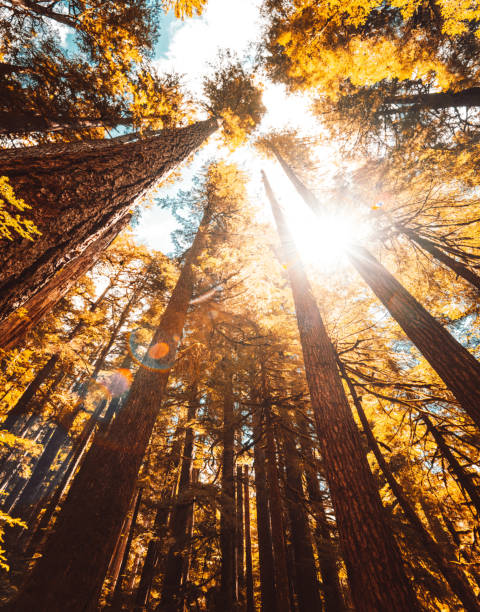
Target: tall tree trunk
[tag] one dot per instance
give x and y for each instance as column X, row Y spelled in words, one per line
column 228, row 587
column 281, row 573
column 456, row 266
column 464, row 479
column 239, row 535
column 306, row 583
column 327, row 556
column 458, row 369
column 445, row 99
column 447, row 567
column 78, row 191
column 172, row 599
column 14, row 328
column 124, row 554
column 376, row 575
column 250, row 602
column 265, row 550
column 70, row 573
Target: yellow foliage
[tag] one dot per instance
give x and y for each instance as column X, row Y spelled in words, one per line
column 9, row 223
column 185, row 8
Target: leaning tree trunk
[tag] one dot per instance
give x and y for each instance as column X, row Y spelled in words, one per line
column 444, row 99
column 456, row 266
column 458, row 369
column 79, row 191
column 70, row 573
column 264, row 534
column 14, row 328
column 374, row 565
column 448, row 567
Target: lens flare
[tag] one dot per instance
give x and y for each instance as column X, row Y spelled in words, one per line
column 159, row 356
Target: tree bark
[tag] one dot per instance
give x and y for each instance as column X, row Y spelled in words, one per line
column 265, row 550
column 250, row 602
column 376, row 575
column 444, row 99
column 458, row 368
column 70, row 573
column 306, row 583
column 79, row 191
column 228, row 587
column 14, row 328
column 447, row 567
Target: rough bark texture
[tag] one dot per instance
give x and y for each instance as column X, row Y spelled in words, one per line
column 79, row 191
column 239, row 548
column 458, row 368
column 228, row 585
column 265, row 551
column 249, row 600
column 172, row 597
column 306, row 583
column 447, row 567
column 376, row 575
column 70, row 573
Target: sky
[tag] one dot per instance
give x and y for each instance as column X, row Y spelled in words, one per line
column 189, row 48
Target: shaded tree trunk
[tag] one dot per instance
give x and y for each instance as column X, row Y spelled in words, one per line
column 228, row 587
column 78, row 192
column 265, row 550
column 70, row 573
column 239, row 534
column 250, row 602
column 376, row 575
column 444, row 99
column 172, row 598
column 447, row 567
column 306, row 583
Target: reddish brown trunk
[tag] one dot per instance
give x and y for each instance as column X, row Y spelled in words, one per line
column 79, row 191
column 15, row 327
column 265, row 551
column 448, row 568
column 250, row 603
column 281, row 573
column 376, row 575
column 458, row 369
column 70, row 573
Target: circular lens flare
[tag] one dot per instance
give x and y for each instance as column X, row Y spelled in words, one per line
column 159, row 356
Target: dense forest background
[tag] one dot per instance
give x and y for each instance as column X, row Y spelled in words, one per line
column 239, row 315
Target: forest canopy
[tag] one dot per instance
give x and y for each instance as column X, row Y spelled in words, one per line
column 239, row 314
